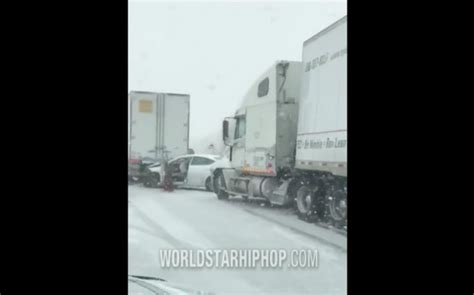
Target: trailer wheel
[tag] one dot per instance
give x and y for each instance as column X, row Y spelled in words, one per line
column 337, row 204
column 219, row 186
column 304, row 200
column 310, row 204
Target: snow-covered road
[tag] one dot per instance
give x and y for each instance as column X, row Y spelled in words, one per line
column 186, row 219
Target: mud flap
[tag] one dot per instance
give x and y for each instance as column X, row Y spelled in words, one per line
column 280, row 194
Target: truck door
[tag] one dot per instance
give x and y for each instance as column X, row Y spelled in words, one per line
column 176, row 124
column 143, row 125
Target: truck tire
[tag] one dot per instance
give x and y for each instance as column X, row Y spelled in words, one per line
column 307, row 203
column 337, row 204
column 218, row 189
column 304, row 200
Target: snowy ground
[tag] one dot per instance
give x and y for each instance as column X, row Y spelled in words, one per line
column 187, row 219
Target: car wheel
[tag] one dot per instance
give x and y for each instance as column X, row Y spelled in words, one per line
column 208, row 184
column 146, row 183
column 155, row 179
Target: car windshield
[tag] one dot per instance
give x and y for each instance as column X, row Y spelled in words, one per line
column 237, row 111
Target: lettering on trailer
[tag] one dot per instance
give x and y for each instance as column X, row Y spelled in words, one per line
column 321, row 144
column 323, row 59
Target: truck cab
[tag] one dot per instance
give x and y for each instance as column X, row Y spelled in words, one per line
column 262, row 133
column 288, row 142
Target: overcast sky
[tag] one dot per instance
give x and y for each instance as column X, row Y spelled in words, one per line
column 215, row 51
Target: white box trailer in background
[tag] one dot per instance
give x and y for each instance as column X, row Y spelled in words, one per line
column 158, row 125
column 288, row 139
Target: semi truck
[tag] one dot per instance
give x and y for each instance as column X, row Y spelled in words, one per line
column 158, row 128
column 288, row 139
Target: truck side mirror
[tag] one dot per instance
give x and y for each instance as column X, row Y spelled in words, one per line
column 228, row 130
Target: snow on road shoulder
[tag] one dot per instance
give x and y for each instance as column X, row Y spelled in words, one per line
column 166, row 224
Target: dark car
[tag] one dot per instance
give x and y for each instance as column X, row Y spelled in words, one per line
column 137, row 169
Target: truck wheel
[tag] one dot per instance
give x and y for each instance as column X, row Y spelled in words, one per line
column 218, row 186
column 337, row 204
column 306, row 203
column 304, row 200
column 208, row 184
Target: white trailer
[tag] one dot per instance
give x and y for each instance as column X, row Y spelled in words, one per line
column 321, row 154
column 322, row 120
column 158, row 125
column 288, row 140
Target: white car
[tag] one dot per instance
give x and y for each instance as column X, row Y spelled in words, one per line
column 196, row 174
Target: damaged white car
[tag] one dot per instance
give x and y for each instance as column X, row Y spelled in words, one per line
column 189, row 171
